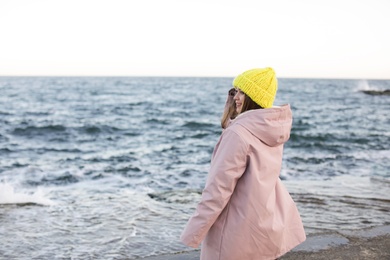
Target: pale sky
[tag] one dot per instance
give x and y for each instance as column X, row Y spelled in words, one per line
column 298, row 38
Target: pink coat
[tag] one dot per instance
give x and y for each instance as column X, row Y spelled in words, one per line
column 245, row 211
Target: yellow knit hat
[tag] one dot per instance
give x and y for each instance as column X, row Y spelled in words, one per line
column 259, row 84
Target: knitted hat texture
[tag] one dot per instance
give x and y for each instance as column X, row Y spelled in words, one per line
column 259, row 84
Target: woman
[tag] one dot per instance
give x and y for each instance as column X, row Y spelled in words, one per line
column 245, row 211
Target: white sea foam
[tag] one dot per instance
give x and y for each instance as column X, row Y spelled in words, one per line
column 9, row 196
column 364, row 85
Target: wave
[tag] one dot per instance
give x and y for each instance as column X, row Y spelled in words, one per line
column 177, row 196
column 64, row 178
column 115, row 159
column 33, row 131
column 200, row 135
column 155, row 121
column 4, row 113
column 98, row 129
column 38, row 130
column 194, row 125
column 5, row 151
column 338, row 142
column 9, row 196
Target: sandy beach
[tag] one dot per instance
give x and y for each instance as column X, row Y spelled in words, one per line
column 367, row 244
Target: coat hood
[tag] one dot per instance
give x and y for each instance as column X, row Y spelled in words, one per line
column 272, row 125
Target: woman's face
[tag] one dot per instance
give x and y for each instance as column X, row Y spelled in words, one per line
column 239, row 99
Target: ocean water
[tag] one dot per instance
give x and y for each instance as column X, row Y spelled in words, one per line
column 112, row 167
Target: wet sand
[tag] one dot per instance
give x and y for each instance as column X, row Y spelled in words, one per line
column 367, row 244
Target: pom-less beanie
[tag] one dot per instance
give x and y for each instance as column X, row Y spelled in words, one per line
column 259, row 84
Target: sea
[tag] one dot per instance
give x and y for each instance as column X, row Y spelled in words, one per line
column 113, row 167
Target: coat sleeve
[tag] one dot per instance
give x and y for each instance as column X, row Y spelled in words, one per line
column 227, row 166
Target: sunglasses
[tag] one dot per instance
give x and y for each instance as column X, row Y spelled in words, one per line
column 232, row 92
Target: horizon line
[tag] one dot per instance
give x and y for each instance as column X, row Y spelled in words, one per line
column 172, row 76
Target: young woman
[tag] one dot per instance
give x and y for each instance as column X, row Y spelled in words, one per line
column 245, row 211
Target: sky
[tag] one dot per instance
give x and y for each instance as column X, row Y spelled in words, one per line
column 202, row 38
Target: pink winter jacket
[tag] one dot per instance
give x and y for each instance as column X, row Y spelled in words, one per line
column 245, row 211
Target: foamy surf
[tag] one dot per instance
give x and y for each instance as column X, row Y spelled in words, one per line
column 9, row 196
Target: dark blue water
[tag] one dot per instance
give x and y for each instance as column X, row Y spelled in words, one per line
column 111, row 168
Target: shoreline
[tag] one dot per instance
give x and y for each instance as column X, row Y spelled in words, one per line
column 371, row 243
